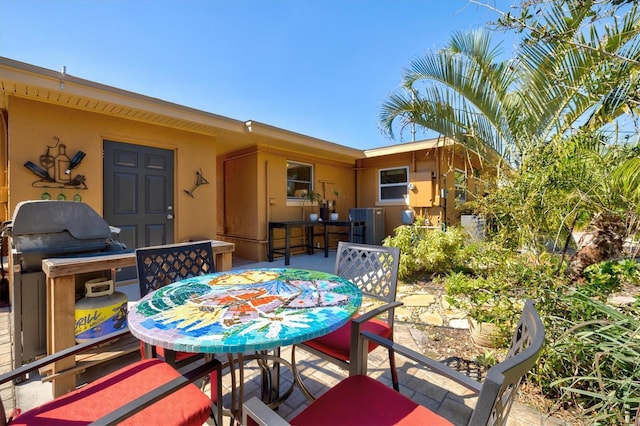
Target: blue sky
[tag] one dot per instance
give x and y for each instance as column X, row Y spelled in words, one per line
column 317, row 67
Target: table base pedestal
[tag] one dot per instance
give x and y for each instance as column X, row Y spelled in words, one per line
column 270, row 380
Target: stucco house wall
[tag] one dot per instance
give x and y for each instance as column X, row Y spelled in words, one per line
column 245, row 162
column 253, row 192
column 432, row 167
column 33, row 127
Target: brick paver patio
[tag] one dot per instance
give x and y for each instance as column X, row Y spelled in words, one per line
column 444, row 396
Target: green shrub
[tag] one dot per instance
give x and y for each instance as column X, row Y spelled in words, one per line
column 426, row 251
column 601, row 279
column 592, row 356
column 493, row 284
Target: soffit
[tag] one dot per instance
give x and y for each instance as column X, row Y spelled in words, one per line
column 269, row 136
column 31, row 82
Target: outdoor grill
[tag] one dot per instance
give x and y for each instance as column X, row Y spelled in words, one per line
column 40, row 230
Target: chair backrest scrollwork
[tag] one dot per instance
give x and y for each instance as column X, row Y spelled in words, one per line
column 374, row 269
column 162, row 265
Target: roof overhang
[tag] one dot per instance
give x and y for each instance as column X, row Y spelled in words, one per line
column 491, row 157
column 44, row 85
column 269, row 136
column 409, row 147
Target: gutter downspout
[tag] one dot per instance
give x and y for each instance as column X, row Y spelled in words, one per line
column 267, row 208
column 4, row 159
column 442, row 201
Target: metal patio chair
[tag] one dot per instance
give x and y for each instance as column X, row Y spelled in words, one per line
column 374, row 269
column 360, row 399
column 149, row 391
column 162, row 265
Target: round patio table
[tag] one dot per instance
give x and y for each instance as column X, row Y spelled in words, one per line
column 246, row 310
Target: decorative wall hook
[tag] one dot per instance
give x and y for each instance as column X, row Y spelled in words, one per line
column 200, row 180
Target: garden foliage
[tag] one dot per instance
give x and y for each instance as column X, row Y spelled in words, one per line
column 563, row 117
column 592, row 356
column 426, row 251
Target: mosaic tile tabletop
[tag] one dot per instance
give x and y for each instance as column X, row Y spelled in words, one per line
column 244, row 310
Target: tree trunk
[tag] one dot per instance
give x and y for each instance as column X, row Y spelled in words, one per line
column 606, row 243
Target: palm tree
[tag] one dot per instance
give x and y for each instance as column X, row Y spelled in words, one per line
column 573, row 76
column 467, row 98
column 464, row 92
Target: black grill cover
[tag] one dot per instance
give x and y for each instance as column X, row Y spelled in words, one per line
column 48, row 226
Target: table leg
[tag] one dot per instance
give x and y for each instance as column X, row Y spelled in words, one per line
column 270, row 388
column 270, row 373
column 265, row 389
column 275, row 371
column 270, row 243
column 270, row 377
column 223, row 261
column 150, row 351
column 310, row 238
column 169, row 357
column 326, row 240
column 237, row 391
column 287, row 245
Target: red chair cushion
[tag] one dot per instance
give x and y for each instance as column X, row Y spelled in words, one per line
column 187, row 406
column 160, row 352
column 338, row 342
column 361, row 400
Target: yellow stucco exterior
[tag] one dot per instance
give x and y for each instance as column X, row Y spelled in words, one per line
column 244, row 162
column 34, row 124
column 253, row 182
column 432, row 167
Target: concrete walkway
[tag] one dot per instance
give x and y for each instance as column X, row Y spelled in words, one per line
column 437, row 393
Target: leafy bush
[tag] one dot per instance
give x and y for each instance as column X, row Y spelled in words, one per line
column 426, row 251
column 484, row 299
column 493, row 283
column 592, row 355
column 606, row 277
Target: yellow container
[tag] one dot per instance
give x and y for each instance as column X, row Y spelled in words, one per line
column 102, row 311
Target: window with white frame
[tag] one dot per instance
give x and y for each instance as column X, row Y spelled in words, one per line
column 299, row 180
column 460, row 185
column 393, row 184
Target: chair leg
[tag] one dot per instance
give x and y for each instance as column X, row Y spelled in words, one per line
column 394, row 371
column 296, row 376
column 214, row 379
column 217, row 409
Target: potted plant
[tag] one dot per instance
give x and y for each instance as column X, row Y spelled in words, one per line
column 312, row 198
column 490, row 303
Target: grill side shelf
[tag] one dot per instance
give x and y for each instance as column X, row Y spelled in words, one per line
column 59, row 267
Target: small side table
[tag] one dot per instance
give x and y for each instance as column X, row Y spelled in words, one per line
column 355, row 228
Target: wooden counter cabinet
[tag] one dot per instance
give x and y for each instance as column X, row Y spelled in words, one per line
column 61, row 275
